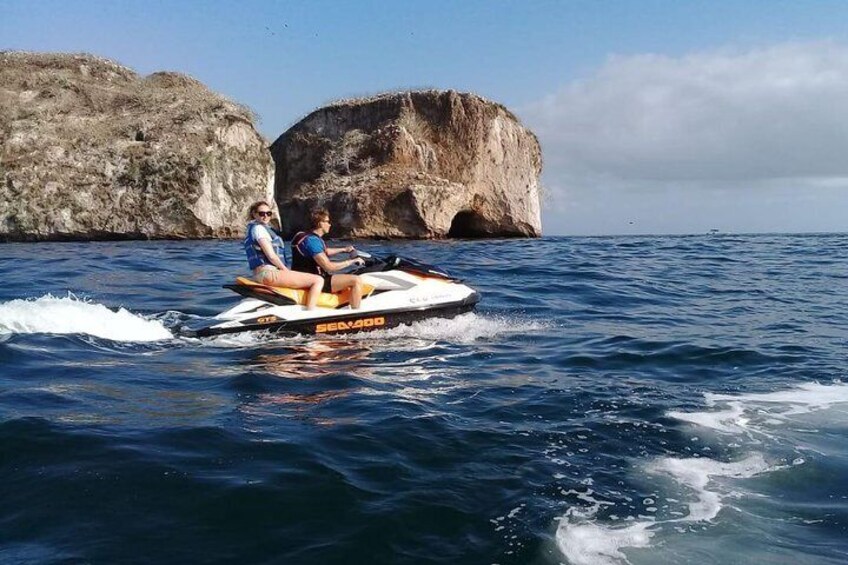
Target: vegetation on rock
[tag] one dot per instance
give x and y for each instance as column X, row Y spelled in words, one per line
column 91, row 150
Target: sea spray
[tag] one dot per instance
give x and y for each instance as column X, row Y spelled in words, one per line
column 71, row 315
column 464, row 329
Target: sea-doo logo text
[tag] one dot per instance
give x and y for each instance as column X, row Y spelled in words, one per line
column 266, row 319
column 351, row 325
column 434, row 298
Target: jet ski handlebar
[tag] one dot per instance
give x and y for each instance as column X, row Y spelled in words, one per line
column 375, row 264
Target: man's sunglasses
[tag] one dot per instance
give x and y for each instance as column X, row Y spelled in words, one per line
column 265, row 214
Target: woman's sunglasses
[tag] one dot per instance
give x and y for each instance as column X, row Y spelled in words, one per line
column 265, row 214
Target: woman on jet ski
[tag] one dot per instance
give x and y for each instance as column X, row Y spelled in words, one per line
column 261, row 245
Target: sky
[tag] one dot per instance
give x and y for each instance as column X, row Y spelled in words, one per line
column 654, row 117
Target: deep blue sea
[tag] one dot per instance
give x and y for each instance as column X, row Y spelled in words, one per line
column 642, row 400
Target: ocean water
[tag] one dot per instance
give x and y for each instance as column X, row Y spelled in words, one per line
column 641, row 400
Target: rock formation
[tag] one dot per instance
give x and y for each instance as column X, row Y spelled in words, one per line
column 411, row 165
column 91, row 150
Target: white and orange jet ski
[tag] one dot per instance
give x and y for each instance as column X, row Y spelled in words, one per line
column 397, row 291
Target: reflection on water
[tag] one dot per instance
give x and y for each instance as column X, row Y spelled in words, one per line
column 318, row 358
column 300, row 406
column 307, row 366
column 92, row 402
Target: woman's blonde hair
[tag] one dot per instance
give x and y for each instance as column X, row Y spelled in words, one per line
column 255, row 206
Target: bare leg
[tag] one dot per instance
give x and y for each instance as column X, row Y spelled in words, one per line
column 314, row 292
column 354, row 283
column 295, row 279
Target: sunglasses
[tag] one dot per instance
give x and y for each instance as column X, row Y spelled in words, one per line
column 265, row 214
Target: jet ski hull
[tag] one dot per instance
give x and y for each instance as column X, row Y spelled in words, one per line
column 349, row 322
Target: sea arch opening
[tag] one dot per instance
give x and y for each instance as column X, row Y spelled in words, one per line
column 468, row 224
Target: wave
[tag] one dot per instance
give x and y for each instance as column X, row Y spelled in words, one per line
column 702, row 484
column 71, row 315
column 464, row 329
column 585, row 542
column 747, row 413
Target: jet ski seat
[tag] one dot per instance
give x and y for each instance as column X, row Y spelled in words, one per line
column 284, row 296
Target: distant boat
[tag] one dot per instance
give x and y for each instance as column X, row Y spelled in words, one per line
column 713, row 231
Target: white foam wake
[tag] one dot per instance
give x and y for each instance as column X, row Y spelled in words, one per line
column 702, row 482
column 584, row 541
column 697, row 473
column 755, row 412
column 466, row 328
column 70, row 315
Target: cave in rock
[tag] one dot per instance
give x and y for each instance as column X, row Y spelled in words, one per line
column 467, row 224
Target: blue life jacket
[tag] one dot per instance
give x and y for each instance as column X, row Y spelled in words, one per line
column 301, row 259
column 255, row 256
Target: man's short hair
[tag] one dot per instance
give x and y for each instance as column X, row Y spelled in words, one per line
column 319, row 216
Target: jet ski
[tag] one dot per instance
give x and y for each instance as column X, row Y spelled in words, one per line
column 397, row 291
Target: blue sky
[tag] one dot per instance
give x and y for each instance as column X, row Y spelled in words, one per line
column 654, row 116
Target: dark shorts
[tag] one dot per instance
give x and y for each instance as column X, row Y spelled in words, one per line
column 328, row 283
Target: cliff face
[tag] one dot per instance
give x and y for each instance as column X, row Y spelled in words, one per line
column 411, row 165
column 91, row 150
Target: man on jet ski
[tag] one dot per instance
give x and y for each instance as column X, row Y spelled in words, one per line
column 311, row 255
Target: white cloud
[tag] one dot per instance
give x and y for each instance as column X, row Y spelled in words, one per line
column 723, row 118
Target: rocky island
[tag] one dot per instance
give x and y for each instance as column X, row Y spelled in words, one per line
column 89, row 150
column 430, row 164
